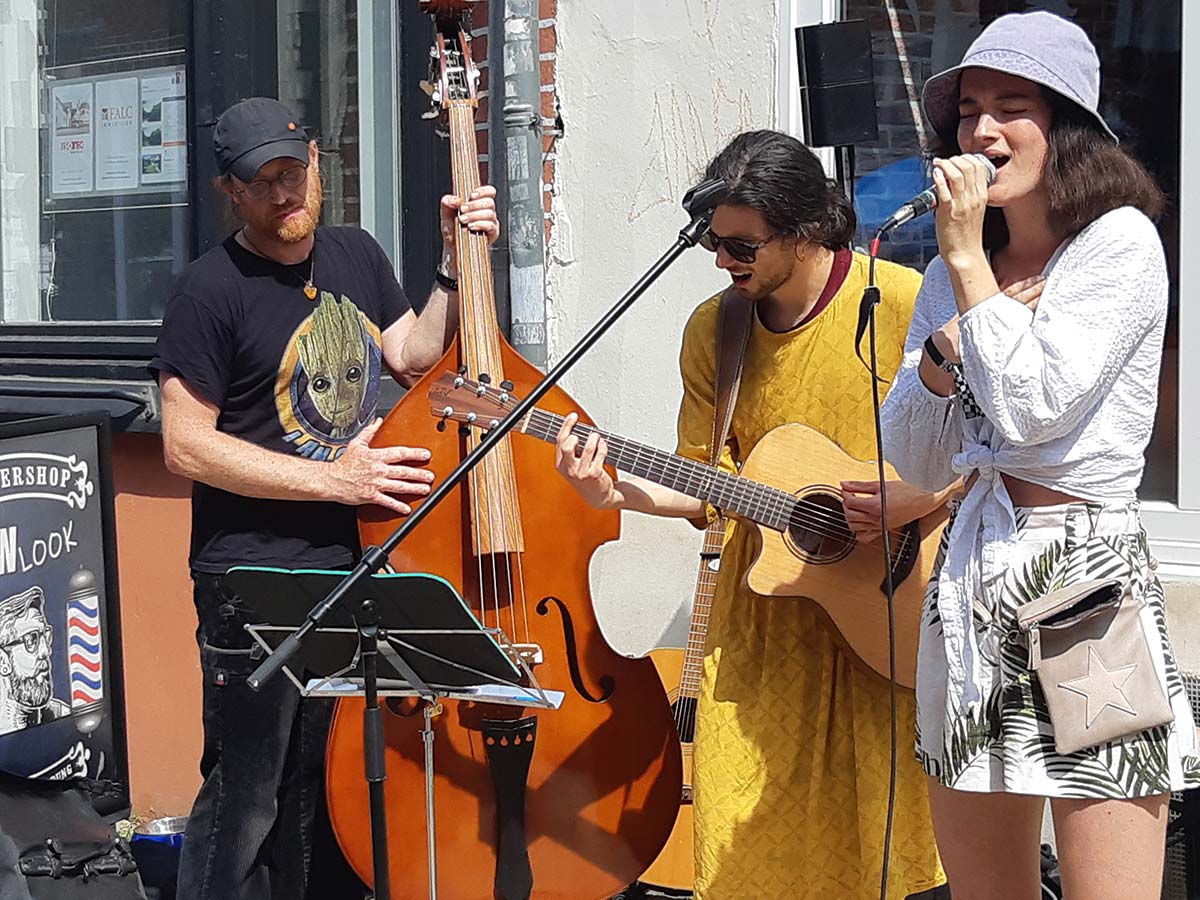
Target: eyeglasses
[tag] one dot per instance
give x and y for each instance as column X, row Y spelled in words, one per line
column 742, row 251
column 31, row 640
column 261, row 187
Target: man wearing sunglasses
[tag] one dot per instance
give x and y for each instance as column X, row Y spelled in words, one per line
column 26, row 683
column 792, row 746
column 270, row 357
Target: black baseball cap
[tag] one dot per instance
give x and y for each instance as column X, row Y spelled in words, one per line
column 253, row 132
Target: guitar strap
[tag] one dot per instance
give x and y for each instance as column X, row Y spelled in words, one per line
column 733, row 334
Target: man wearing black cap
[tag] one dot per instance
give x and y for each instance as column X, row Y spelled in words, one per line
column 269, row 359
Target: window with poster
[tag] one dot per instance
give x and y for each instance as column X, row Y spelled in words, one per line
column 106, row 169
column 1141, row 48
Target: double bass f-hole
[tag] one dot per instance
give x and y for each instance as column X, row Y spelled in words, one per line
column 608, row 684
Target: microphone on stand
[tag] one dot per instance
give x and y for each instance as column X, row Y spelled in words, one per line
column 927, row 200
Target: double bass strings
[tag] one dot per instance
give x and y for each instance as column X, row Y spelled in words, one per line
column 501, row 542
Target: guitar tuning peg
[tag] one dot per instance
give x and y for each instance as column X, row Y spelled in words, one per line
column 427, row 87
column 463, row 431
column 485, row 378
column 462, row 370
column 441, row 425
column 507, row 385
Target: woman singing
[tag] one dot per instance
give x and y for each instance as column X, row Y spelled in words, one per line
column 1044, row 405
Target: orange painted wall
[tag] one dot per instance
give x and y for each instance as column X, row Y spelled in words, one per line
column 162, row 667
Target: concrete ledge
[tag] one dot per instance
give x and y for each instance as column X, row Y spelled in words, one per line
column 1183, row 622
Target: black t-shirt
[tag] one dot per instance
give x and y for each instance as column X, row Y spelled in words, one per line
column 288, row 374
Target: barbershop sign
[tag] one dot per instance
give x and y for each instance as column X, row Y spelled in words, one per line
column 61, row 714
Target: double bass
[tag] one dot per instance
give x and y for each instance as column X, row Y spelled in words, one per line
column 571, row 803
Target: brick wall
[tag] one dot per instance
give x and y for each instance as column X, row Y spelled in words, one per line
column 548, row 45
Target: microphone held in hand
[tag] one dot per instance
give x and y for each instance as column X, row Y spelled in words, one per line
column 927, row 200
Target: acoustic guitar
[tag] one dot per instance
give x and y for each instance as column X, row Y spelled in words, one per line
column 681, row 671
column 788, row 490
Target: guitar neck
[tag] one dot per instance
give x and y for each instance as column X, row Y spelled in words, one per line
column 768, row 506
column 706, row 589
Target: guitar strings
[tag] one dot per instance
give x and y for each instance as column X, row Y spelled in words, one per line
column 689, row 682
column 773, row 503
column 765, row 499
column 769, row 503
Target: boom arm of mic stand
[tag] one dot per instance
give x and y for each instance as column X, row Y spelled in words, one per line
column 374, row 558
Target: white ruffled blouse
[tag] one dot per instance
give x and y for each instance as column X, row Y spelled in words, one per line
column 1065, row 398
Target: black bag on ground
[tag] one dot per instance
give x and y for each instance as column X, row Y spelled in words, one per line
column 55, row 846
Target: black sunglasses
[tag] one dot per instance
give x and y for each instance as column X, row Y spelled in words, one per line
column 742, row 251
column 31, row 640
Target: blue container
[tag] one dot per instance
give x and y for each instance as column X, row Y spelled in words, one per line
column 156, row 847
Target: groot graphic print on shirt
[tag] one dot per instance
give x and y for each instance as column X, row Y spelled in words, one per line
column 328, row 380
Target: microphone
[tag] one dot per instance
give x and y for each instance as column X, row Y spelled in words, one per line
column 927, row 200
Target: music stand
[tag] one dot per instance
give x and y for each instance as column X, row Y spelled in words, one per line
column 432, row 647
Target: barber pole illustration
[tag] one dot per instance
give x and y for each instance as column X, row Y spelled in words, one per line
column 84, row 652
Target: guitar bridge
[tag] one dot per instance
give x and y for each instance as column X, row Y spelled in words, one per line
column 906, row 556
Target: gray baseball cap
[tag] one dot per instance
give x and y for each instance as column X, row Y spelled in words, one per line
column 1037, row 46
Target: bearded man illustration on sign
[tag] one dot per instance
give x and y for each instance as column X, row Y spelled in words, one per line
column 26, row 684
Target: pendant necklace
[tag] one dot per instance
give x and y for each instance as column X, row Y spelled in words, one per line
column 310, row 289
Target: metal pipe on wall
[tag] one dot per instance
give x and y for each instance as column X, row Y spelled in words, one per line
column 521, row 99
column 497, row 171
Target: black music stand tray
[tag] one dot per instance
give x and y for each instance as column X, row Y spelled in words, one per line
column 432, row 647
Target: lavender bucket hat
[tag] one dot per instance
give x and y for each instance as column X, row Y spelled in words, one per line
column 1037, row 46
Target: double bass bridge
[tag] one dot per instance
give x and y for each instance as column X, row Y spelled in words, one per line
column 525, row 655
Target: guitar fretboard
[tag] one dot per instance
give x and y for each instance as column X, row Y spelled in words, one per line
column 706, row 589
column 768, row 506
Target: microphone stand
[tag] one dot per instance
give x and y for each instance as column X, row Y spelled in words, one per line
column 699, row 202
column 866, row 324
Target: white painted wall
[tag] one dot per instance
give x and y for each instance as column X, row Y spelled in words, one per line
column 650, row 91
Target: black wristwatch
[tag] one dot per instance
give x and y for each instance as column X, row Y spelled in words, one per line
column 450, row 284
column 936, row 355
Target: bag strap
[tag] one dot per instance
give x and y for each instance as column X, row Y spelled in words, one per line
column 733, row 334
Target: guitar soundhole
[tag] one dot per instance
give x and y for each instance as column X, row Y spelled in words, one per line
column 818, row 532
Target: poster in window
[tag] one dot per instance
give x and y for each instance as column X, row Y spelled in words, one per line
column 119, row 133
column 71, row 151
column 164, row 127
column 61, row 696
column 117, row 146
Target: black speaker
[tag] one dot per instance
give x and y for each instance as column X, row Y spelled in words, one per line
column 837, row 83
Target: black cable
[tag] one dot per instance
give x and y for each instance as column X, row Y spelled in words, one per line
column 866, row 321
column 851, row 175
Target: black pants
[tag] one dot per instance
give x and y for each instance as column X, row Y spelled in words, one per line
column 258, row 829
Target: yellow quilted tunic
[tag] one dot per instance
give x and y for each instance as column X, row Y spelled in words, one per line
column 792, row 741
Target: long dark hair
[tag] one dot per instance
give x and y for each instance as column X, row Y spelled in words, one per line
column 1086, row 175
column 781, row 178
